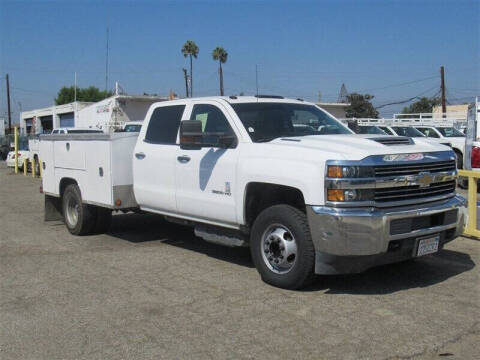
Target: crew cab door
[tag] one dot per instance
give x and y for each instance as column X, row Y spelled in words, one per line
column 206, row 177
column 154, row 158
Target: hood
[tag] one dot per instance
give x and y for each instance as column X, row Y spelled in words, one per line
column 357, row 147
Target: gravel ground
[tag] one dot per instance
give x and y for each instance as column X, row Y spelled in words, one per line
column 152, row 290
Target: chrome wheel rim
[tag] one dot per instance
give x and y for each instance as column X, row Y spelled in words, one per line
column 72, row 211
column 279, row 249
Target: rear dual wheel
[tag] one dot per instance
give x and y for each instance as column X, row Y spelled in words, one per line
column 83, row 219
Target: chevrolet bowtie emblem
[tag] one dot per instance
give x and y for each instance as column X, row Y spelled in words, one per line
column 424, row 179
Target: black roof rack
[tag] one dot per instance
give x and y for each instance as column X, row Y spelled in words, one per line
column 269, row 97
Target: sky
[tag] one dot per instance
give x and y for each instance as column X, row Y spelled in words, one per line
column 390, row 49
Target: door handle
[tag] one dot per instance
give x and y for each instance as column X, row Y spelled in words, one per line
column 140, row 155
column 183, row 159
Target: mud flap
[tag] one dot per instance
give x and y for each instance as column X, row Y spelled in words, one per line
column 53, row 208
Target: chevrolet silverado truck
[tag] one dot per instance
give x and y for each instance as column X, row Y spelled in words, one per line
column 242, row 172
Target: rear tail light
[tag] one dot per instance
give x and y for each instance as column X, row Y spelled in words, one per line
column 475, row 157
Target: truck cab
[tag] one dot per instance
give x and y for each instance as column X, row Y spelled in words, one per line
column 242, row 172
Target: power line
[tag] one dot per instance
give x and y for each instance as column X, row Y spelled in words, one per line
column 407, row 100
column 399, row 84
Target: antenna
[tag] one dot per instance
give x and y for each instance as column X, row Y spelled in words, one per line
column 106, row 65
column 256, row 77
column 342, row 96
column 75, row 88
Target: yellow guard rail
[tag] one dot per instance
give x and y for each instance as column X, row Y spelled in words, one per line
column 472, row 176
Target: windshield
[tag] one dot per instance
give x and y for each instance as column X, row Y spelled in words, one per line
column 133, row 128
column 268, row 121
column 407, row 131
column 370, row 130
column 450, row 132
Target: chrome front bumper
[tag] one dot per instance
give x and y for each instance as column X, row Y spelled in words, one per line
column 364, row 233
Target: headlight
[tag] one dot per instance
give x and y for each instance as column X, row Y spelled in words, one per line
column 338, row 171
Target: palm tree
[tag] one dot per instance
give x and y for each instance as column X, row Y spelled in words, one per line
column 190, row 49
column 220, row 54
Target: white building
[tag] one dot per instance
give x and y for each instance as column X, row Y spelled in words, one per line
column 44, row 120
column 111, row 113
column 108, row 114
column 336, row 109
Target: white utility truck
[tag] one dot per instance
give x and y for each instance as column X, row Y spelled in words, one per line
column 241, row 173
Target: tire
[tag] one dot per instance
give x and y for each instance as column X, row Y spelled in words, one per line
column 78, row 217
column 103, row 220
column 459, row 157
column 271, row 239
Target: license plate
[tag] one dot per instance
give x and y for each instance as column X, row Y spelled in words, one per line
column 428, row 245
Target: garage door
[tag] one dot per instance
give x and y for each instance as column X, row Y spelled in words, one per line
column 67, row 120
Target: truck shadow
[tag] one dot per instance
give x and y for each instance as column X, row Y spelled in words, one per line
column 387, row 279
column 140, row 228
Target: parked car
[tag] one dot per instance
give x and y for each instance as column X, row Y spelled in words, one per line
column 75, row 131
column 370, row 129
column 132, row 126
column 448, row 134
column 235, row 169
column 410, row 131
column 22, row 154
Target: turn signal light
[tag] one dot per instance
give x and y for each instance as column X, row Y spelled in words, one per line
column 335, row 171
column 475, row 157
column 335, row 194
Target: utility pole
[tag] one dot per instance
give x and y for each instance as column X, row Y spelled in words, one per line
column 75, row 89
column 106, row 65
column 256, row 77
column 442, row 88
column 8, row 107
column 186, row 81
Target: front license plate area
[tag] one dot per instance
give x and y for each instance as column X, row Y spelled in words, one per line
column 427, row 245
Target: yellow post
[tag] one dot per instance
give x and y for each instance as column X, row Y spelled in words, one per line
column 25, row 165
column 471, row 228
column 15, row 132
column 33, row 168
column 472, row 205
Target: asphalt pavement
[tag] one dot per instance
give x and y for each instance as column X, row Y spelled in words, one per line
column 151, row 290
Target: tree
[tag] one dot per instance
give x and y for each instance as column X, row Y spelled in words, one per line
column 360, row 106
column 91, row 94
column 423, row 105
column 190, row 49
column 220, row 54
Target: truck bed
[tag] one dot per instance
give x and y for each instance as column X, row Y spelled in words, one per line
column 101, row 165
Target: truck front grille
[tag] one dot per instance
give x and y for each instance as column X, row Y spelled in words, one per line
column 414, row 169
column 403, row 193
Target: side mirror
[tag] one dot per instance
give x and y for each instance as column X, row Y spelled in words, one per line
column 191, row 134
column 227, row 141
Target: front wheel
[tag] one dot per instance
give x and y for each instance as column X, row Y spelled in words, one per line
column 281, row 247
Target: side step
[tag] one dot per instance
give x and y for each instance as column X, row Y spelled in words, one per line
column 221, row 236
